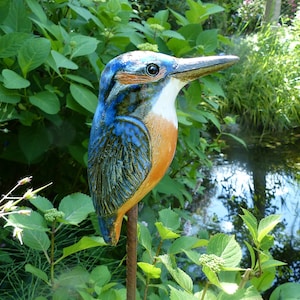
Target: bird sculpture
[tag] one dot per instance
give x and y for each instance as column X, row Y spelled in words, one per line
column 134, row 130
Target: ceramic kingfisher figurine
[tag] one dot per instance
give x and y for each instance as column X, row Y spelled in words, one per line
column 134, row 131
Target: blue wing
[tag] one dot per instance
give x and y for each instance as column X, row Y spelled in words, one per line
column 119, row 161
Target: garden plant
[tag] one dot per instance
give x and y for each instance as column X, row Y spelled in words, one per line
column 51, row 57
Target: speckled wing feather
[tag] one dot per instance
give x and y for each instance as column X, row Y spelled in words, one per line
column 119, row 162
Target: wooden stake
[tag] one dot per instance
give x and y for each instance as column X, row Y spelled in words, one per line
column 131, row 263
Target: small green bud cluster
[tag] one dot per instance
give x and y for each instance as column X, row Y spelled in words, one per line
column 214, row 262
column 53, row 214
column 157, row 27
column 148, row 47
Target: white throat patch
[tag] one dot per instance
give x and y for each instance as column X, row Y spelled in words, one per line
column 165, row 104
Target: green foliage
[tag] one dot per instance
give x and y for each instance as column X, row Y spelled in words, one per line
column 165, row 256
column 263, row 88
column 50, row 73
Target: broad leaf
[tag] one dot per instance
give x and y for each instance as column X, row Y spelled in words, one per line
column 63, row 62
column 101, row 275
column 11, row 43
column 36, row 272
column 76, row 207
column 33, row 53
column 46, row 101
column 41, row 203
column 17, row 19
column 266, row 225
column 84, row 243
column 37, row 240
column 150, row 270
column 165, row 233
column 251, row 223
column 84, row 97
column 79, row 79
column 32, row 222
column 286, row 291
column 82, row 45
column 182, row 244
column 9, row 96
column 226, row 247
column 176, row 294
column 182, row 278
column 13, row 80
column 169, row 218
column 144, row 237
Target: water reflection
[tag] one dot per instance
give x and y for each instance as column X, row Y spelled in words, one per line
column 265, row 181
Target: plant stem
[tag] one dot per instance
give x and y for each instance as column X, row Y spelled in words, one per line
column 245, row 278
column 131, row 252
column 146, row 288
column 52, row 264
column 204, row 290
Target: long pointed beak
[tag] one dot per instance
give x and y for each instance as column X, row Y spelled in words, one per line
column 189, row 69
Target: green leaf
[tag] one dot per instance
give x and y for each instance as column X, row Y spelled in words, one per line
column 11, row 43
column 37, row 240
column 17, row 19
column 266, row 225
column 79, row 79
column 70, row 278
column 265, row 280
column 63, row 62
column 286, row 291
column 41, row 203
column 32, row 222
column 36, row 272
column 150, row 270
column 46, row 101
column 76, row 207
column 82, row 45
column 183, row 279
column 101, row 275
column 176, row 294
column 226, row 247
column 193, row 256
column 84, row 97
column 33, row 141
column 169, row 218
column 211, row 276
column 252, row 254
column 37, row 10
column 251, row 222
column 165, row 233
column 8, row 96
column 33, row 53
column 84, row 243
column 182, row 244
column 241, row 294
column 208, row 39
column 144, row 237
column 13, row 80
column 271, row 263
column 172, row 34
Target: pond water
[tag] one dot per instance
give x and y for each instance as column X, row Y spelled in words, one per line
column 265, row 180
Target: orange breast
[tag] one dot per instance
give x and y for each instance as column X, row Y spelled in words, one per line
column 163, row 145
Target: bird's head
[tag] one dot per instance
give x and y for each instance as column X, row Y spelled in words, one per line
column 132, row 83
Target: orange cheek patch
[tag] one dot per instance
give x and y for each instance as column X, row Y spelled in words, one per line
column 129, row 78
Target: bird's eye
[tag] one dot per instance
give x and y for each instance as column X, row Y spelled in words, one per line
column 152, row 69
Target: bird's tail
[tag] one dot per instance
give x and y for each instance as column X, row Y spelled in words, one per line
column 110, row 229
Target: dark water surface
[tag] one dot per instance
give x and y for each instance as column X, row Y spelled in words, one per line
column 265, row 180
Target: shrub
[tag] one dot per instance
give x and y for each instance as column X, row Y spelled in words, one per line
column 263, row 89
